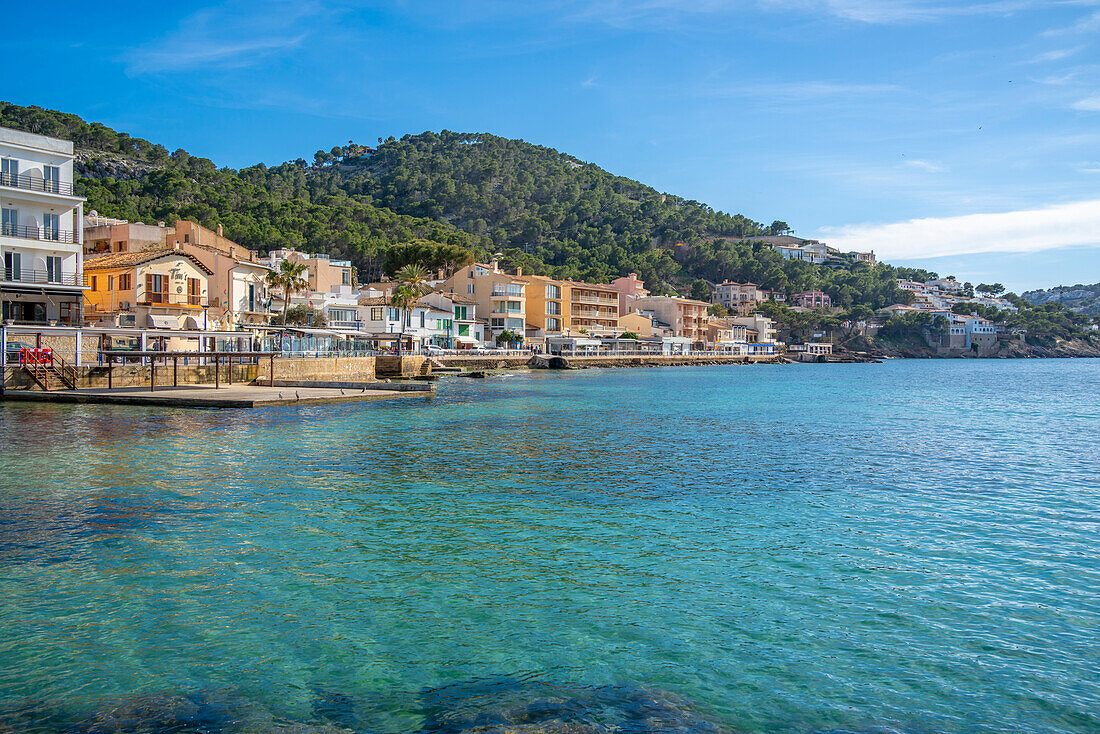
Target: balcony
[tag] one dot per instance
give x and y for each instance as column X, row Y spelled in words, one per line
column 45, row 277
column 598, row 300
column 39, row 233
column 501, row 291
column 36, row 183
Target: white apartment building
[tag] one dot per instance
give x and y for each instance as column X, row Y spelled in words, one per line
column 40, row 230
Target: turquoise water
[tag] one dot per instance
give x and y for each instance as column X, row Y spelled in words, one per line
column 909, row 546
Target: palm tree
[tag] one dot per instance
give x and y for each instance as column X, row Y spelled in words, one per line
column 413, row 283
column 288, row 278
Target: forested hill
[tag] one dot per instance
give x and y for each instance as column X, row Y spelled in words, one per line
column 544, row 209
column 434, row 198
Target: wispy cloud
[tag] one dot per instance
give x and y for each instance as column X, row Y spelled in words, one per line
column 230, row 36
column 1055, row 55
column 1088, row 104
column 1033, row 230
column 874, row 12
column 927, row 166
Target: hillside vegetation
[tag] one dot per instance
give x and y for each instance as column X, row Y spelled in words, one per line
column 440, row 198
column 1083, row 299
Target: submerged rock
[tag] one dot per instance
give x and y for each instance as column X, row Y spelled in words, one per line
column 507, row 706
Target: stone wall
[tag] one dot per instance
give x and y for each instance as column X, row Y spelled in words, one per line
column 407, row 366
column 344, row 369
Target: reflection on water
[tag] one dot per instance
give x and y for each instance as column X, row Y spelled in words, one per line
column 907, row 546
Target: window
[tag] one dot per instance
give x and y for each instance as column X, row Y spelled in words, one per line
column 53, row 269
column 95, row 283
column 51, row 179
column 470, row 289
column 156, row 288
column 345, row 276
column 51, row 226
column 394, row 316
column 553, row 325
column 422, row 319
column 66, row 311
column 125, row 282
column 194, row 291
column 11, row 222
column 553, row 291
column 496, row 322
column 553, row 307
column 9, row 172
column 251, row 304
column 187, row 238
column 463, row 329
column 376, row 313
column 13, row 269
column 460, row 313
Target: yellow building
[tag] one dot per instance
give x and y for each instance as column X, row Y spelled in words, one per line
column 501, row 298
column 548, row 307
column 163, row 289
column 593, row 307
column 637, row 323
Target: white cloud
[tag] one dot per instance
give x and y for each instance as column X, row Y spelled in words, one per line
column 229, row 36
column 927, row 166
column 1034, row 230
column 1089, row 104
column 1056, row 55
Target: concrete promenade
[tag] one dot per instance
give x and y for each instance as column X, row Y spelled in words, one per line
column 206, row 396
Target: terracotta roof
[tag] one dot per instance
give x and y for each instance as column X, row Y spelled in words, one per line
column 130, row 259
column 374, row 301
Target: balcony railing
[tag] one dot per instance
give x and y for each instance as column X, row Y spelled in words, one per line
column 38, row 233
column 600, row 300
column 28, row 182
column 500, row 291
column 21, row 275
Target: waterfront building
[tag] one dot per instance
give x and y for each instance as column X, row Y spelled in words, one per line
column 159, row 289
column 500, row 297
column 628, row 287
column 758, row 329
column 686, row 317
column 238, row 286
column 105, row 234
column 593, row 307
column 811, row 348
column 40, row 231
column 640, row 323
column 548, row 309
column 467, row 330
column 323, row 273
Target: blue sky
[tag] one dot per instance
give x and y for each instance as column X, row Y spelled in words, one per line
column 959, row 136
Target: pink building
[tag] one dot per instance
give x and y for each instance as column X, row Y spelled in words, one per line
column 628, row 287
column 813, row 300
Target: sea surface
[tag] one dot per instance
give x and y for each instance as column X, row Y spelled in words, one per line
column 903, row 547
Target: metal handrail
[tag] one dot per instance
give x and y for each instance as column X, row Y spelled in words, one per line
column 35, row 183
column 38, row 233
column 43, row 276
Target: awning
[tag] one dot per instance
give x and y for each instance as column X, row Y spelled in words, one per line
column 160, row 321
column 465, row 340
column 190, row 322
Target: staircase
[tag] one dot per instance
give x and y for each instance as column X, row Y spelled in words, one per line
column 52, row 375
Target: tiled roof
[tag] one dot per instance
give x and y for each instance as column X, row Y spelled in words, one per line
column 374, row 301
column 130, row 259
